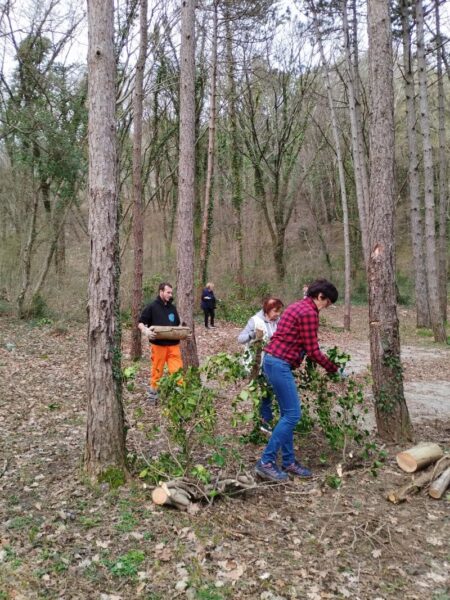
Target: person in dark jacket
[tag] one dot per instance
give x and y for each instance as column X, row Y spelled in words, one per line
column 208, row 304
column 161, row 311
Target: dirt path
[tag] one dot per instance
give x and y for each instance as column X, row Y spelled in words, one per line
column 61, row 538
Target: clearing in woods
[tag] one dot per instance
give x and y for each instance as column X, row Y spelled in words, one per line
column 65, row 539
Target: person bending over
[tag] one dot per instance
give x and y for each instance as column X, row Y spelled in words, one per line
column 295, row 338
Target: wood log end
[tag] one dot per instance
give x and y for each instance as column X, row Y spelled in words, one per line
column 160, row 496
column 406, row 462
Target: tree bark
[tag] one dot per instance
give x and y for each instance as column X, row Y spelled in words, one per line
column 138, row 212
column 437, row 322
column 390, row 407
column 443, row 172
column 340, row 162
column 26, row 256
column 236, row 157
column 186, row 186
column 417, row 241
column 105, row 435
column 361, row 178
column 208, row 203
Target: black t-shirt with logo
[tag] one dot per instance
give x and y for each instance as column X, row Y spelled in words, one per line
column 158, row 313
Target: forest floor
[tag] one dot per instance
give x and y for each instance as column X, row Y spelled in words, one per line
column 63, row 538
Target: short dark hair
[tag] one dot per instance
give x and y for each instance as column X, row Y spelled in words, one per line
column 162, row 286
column 325, row 287
column 271, row 302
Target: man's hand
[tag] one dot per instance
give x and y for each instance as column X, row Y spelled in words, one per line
column 148, row 332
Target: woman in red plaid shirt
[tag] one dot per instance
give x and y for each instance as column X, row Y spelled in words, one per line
column 295, row 338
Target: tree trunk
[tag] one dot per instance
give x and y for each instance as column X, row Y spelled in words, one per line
column 337, row 143
column 105, row 435
column 186, row 187
column 390, row 407
column 420, row 277
column 443, row 183
column 356, row 137
column 138, row 212
column 26, row 256
column 437, row 322
column 236, row 157
column 208, row 203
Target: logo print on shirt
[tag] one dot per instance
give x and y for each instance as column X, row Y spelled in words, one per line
column 171, row 317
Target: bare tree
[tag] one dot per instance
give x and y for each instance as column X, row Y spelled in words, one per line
column 359, row 155
column 138, row 213
column 390, row 407
column 105, row 436
column 437, row 322
column 186, row 186
column 417, row 241
column 443, row 170
column 207, row 203
column 341, row 170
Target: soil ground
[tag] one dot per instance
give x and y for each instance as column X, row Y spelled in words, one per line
column 63, row 538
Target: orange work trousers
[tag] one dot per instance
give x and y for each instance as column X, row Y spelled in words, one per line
column 159, row 356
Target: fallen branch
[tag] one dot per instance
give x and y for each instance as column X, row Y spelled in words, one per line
column 412, row 487
column 439, row 485
column 182, row 493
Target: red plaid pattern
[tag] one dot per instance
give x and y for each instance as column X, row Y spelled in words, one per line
column 296, row 335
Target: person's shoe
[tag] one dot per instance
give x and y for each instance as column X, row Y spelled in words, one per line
column 266, row 429
column 270, row 472
column 212, row 326
column 298, row 470
column 152, row 395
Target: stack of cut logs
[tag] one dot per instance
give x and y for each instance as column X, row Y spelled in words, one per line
column 437, row 477
column 182, row 493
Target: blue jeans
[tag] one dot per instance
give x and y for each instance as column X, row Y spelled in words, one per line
column 265, row 407
column 278, row 373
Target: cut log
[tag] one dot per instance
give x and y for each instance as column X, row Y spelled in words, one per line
column 160, row 496
column 167, row 332
column 418, row 482
column 420, row 456
column 439, row 485
column 178, row 498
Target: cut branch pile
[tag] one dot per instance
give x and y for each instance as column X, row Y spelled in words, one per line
column 182, row 493
column 419, row 457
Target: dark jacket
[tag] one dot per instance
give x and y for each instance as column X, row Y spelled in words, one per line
column 158, row 313
column 208, row 300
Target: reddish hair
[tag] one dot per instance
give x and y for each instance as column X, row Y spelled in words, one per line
column 270, row 303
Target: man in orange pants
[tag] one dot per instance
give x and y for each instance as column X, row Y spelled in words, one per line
column 161, row 311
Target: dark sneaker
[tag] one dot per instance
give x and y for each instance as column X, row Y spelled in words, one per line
column 270, row 472
column 298, row 470
column 152, row 395
column 266, row 429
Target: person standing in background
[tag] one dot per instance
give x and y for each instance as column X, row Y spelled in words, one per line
column 208, row 304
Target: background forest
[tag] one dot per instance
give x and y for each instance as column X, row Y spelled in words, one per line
column 282, row 87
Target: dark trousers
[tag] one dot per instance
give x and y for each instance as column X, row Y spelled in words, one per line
column 209, row 313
